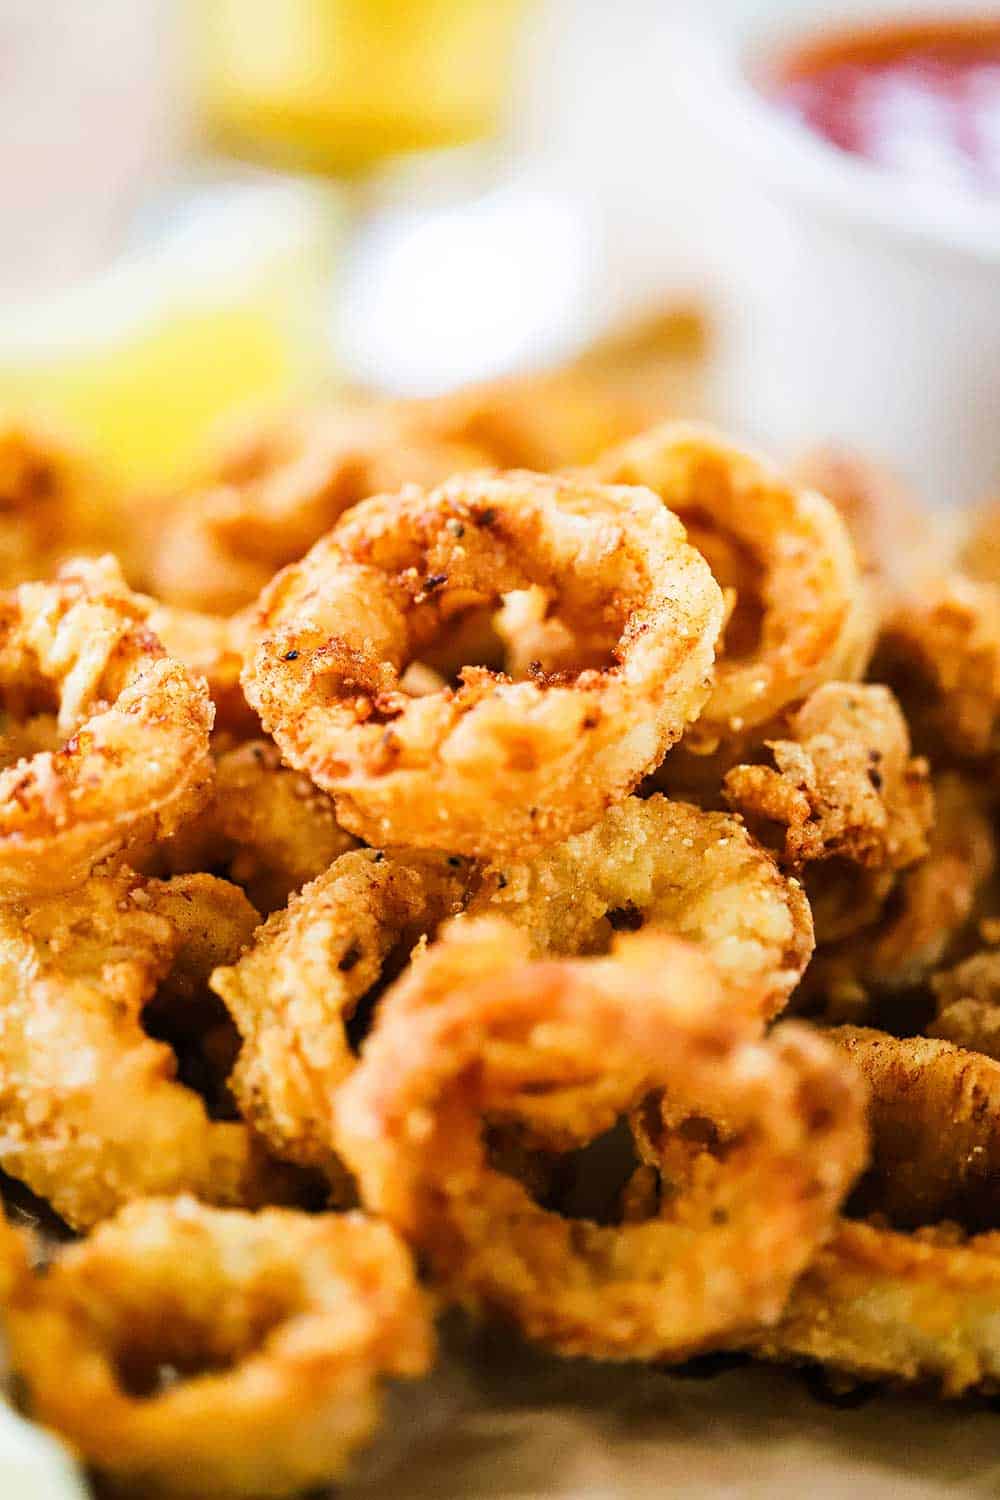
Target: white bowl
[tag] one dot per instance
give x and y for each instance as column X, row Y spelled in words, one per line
column 867, row 304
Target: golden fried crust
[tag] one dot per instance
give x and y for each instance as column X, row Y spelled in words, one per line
column 279, row 1325
column 940, row 651
column 968, row 1003
column 653, row 1015
column 883, row 1305
column 278, row 491
column 91, row 1112
column 211, row 647
column 494, row 765
column 935, row 1120
column 843, row 784
column 664, row 866
column 802, row 614
column 296, row 986
column 917, row 918
column 266, row 827
column 133, row 726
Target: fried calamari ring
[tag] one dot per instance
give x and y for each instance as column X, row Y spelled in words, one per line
column 654, row 1015
column 968, row 1003
column 134, row 724
column 935, row 1121
column 91, row 1113
column 940, row 652
column 496, row 764
column 669, row 867
column 282, row 488
column 296, row 986
column 278, row 1325
column 883, row 1305
column 843, row 783
column 266, row 827
column 802, row 616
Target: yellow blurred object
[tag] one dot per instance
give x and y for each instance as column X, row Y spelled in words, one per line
column 338, row 85
column 228, row 308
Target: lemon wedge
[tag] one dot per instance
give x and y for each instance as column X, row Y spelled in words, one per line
column 222, row 303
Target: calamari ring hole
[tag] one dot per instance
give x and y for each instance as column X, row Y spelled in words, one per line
column 526, row 638
column 24, row 1209
column 587, row 1183
column 30, row 727
column 149, row 1359
column 204, row 1040
column 736, row 567
column 29, row 708
column 359, row 1022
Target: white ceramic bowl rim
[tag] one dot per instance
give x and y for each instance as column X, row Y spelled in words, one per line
column 714, row 57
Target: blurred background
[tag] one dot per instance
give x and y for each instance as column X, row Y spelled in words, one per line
column 222, row 203
column 230, row 201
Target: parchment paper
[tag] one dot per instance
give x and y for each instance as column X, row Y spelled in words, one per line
column 499, row 1423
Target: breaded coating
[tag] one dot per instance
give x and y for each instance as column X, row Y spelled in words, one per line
column 663, row 866
column 888, row 1306
column 968, row 1003
column 277, row 1327
column 800, row 613
column 129, row 760
column 494, row 766
column 266, row 827
column 843, row 784
column 934, row 1112
column 917, row 917
column 91, row 1111
column 298, row 983
column 940, row 651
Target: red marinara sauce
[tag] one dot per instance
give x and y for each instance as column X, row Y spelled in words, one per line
column 922, row 98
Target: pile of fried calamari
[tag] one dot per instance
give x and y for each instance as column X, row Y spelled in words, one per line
column 437, row 789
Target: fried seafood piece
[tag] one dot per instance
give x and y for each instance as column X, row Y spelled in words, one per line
column 800, row 614
column 267, row 828
column 493, row 765
column 53, row 503
column 654, row 1015
column 212, row 647
column 131, row 759
column 968, row 1003
column 843, row 783
column 935, row 1120
column 296, row 986
column 278, row 1327
column 91, row 1111
column 896, row 537
column 915, row 918
column 940, row 652
column 902, row 1307
column 276, row 491
column 664, row 866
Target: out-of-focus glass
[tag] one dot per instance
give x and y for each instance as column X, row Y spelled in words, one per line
column 338, row 85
